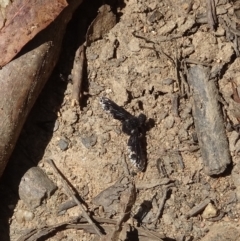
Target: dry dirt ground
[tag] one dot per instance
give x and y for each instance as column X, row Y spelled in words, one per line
column 134, row 64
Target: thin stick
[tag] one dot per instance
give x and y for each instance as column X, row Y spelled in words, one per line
column 72, row 195
column 198, row 208
column 160, row 208
column 211, row 14
column 77, row 74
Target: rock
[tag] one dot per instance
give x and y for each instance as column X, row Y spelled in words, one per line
column 167, row 28
column 35, row 186
column 23, row 215
column 154, row 17
column 188, row 24
column 69, row 116
column 28, row 216
column 168, row 81
column 92, row 56
column 95, row 88
column 134, row 45
column 169, row 122
column 210, row 211
column 63, row 144
column 89, row 141
column 56, row 125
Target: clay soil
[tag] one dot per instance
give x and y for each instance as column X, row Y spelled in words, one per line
column 135, row 65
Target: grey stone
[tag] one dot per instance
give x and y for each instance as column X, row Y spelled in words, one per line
column 35, row 186
column 89, row 141
column 63, row 144
column 155, row 16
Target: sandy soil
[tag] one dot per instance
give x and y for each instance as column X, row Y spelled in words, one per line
column 139, row 74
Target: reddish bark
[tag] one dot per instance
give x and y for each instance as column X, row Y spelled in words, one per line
column 22, row 80
column 24, row 19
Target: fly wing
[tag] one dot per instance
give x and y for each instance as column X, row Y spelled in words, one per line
column 136, row 153
column 116, row 111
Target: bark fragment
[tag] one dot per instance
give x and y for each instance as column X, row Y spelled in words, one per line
column 22, row 80
column 209, row 121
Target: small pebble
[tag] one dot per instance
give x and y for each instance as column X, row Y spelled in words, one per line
column 168, row 81
column 63, row 144
column 155, row 16
column 169, row 122
column 210, row 211
column 23, row 215
column 89, row 141
column 69, row 116
column 134, row 45
column 92, row 56
column 56, row 125
column 19, row 216
column 28, row 216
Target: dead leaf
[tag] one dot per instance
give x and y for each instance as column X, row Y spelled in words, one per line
column 24, row 19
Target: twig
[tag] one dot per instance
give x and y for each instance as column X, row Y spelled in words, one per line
column 77, row 74
column 190, row 5
column 218, row 218
column 80, row 223
column 163, row 181
column 184, row 84
column 125, row 166
column 236, row 97
column 72, row 195
column 65, row 206
column 177, row 73
column 211, row 14
column 160, row 208
column 159, row 39
column 197, row 209
column 175, row 105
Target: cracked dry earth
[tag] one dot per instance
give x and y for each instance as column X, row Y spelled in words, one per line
column 134, row 65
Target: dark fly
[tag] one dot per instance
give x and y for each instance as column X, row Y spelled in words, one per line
column 132, row 126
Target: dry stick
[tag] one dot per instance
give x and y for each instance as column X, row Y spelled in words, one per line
column 218, row 218
column 65, row 206
column 75, row 223
column 189, row 7
column 211, row 14
column 184, row 84
column 197, row 209
column 177, row 75
column 160, row 208
column 225, row 24
column 125, row 166
column 164, row 181
column 175, row 105
column 72, row 195
column 77, row 74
